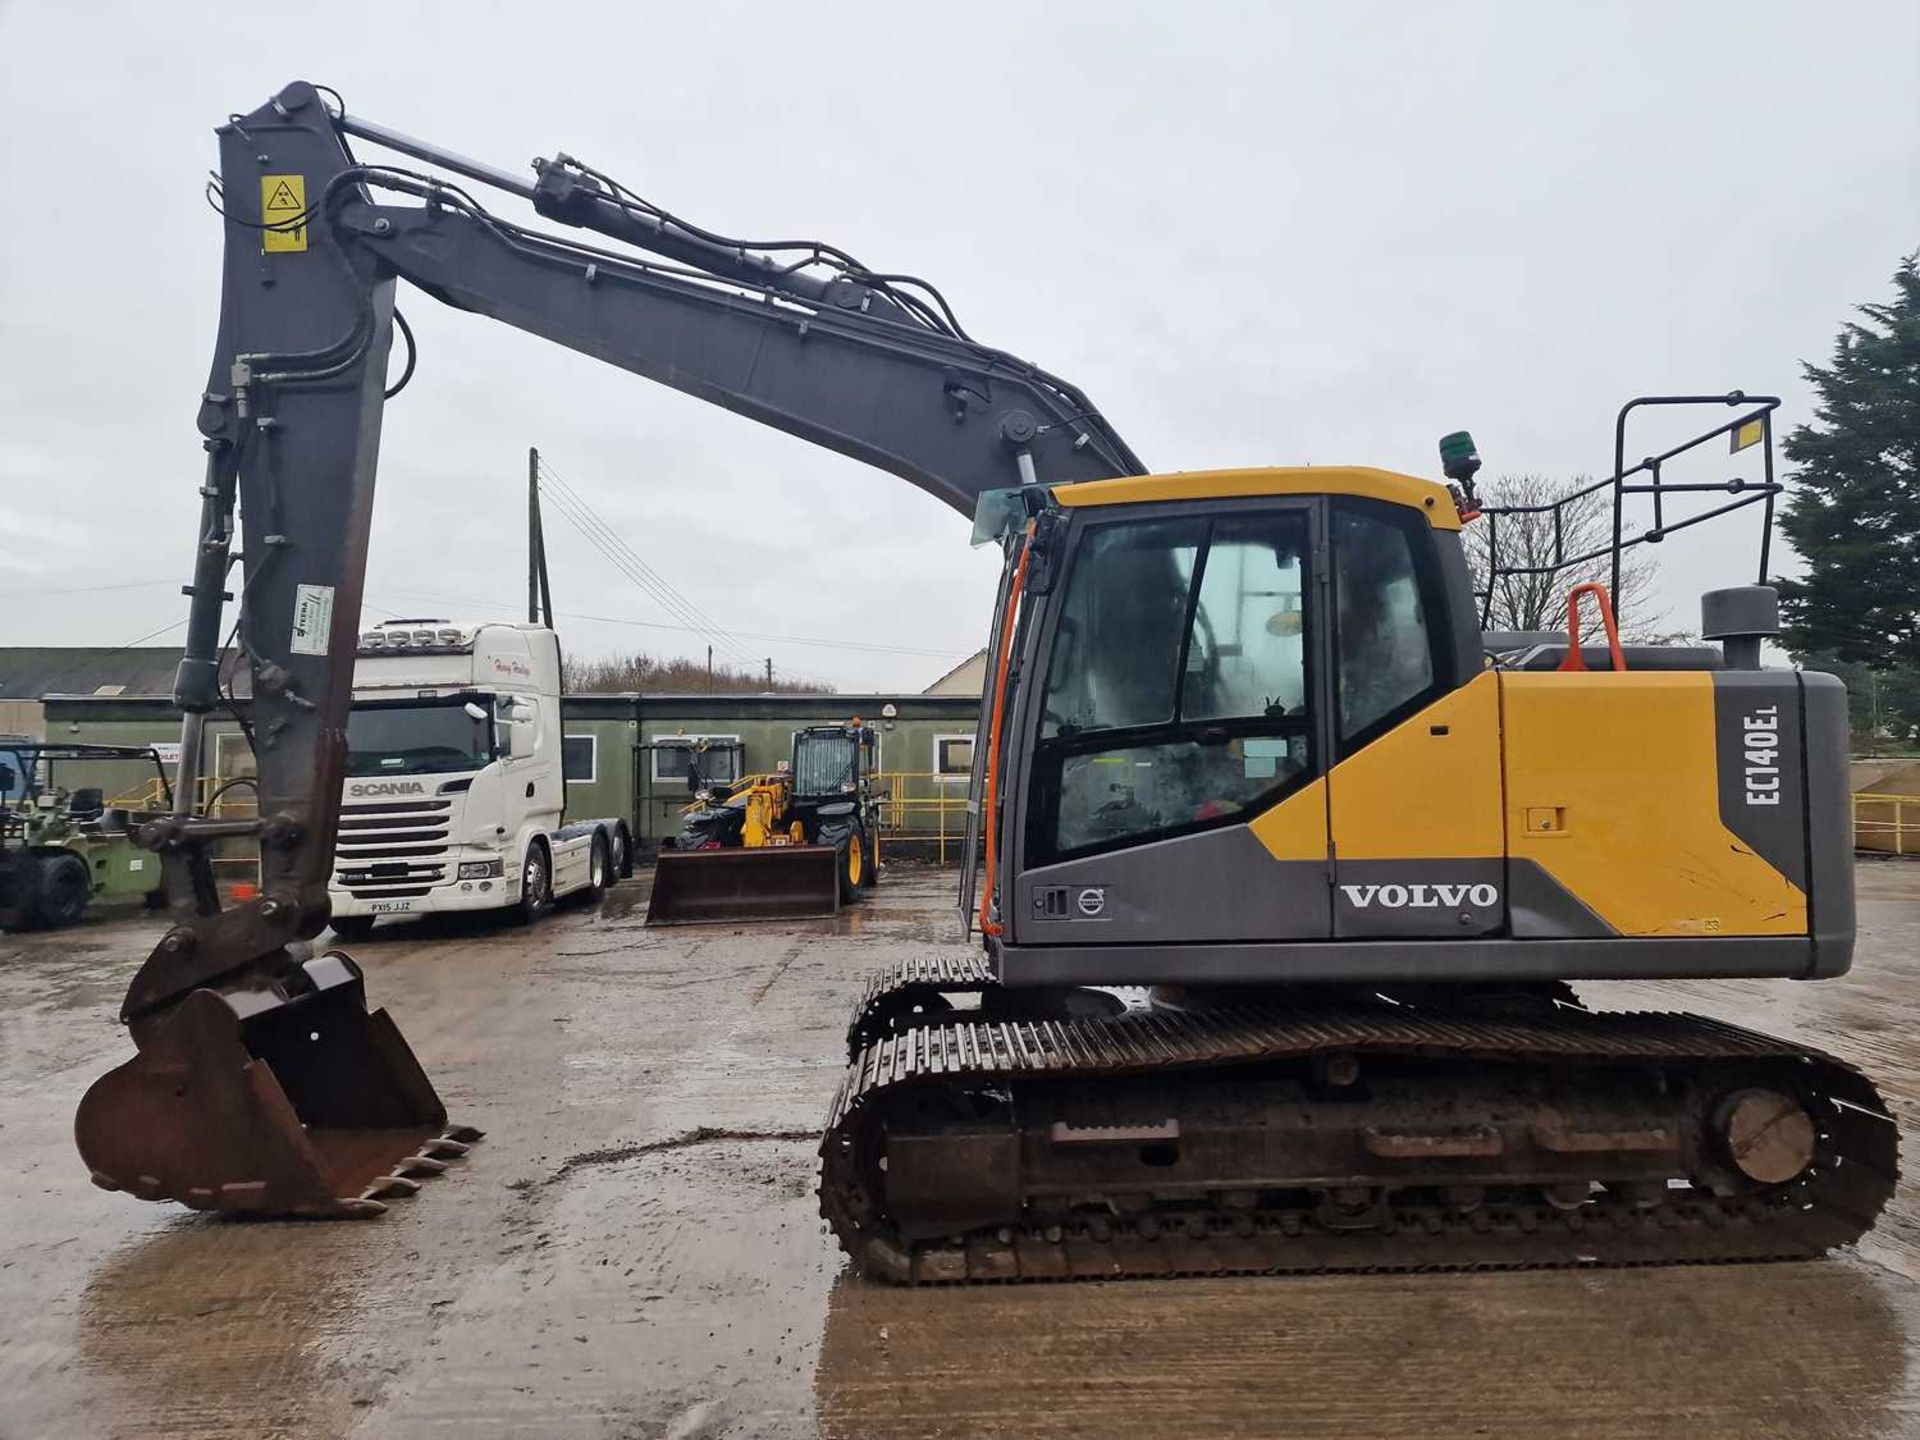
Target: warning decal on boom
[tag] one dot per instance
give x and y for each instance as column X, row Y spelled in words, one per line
column 283, row 198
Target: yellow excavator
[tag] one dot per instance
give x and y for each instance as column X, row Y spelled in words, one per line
column 1249, row 747
column 1289, row 863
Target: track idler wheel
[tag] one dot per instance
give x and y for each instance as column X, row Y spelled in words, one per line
column 1769, row 1137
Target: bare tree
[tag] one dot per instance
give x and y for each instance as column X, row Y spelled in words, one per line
column 1527, row 541
column 619, row 674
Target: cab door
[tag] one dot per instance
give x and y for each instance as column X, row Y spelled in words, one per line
column 1172, row 789
column 1415, row 802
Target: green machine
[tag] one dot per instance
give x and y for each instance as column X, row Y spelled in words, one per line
column 61, row 848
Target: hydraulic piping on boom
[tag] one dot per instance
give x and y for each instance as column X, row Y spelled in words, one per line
column 261, row 1084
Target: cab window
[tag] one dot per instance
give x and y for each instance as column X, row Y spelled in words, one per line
column 1175, row 695
column 1383, row 590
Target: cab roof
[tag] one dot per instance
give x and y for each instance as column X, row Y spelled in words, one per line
column 1430, row 498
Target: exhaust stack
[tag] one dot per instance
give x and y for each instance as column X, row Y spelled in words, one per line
column 1740, row 617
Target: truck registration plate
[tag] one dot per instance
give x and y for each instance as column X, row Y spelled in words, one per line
column 390, row 907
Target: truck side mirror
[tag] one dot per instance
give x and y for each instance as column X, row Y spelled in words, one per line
column 7, row 778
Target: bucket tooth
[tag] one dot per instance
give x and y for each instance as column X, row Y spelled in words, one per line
column 465, row 1134
column 441, row 1148
column 420, row 1165
column 388, row 1186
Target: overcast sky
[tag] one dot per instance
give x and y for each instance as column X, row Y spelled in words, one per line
column 1264, row 234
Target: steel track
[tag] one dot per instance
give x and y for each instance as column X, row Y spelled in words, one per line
column 1833, row 1203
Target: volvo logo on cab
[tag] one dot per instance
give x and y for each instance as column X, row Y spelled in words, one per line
column 1422, row 897
column 386, row 787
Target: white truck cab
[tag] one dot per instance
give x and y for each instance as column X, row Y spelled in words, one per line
column 454, row 796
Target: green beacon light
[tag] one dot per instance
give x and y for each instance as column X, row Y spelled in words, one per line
column 1461, row 462
column 1458, row 458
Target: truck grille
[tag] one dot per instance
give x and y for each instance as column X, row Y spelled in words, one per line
column 389, row 849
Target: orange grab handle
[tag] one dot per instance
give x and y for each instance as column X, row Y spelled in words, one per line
column 990, row 817
column 1574, row 659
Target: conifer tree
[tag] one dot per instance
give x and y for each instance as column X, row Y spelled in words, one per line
column 1853, row 512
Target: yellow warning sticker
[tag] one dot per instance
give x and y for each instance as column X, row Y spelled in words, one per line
column 1748, row 432
column 283, row 199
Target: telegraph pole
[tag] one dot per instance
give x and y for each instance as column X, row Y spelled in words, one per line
column 539, row 592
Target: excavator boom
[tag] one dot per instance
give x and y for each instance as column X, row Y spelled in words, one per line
column 295, row 1100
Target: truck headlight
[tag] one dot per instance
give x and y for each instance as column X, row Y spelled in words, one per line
column 479, row 869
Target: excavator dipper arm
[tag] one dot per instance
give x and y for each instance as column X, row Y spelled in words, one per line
column 796, row 335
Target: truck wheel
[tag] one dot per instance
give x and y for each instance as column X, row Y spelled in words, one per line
column 65, row 888
column 352, row 927
column 622, row 853
column 874, row 866
column 853, row 866
column 536, row 887
column 600, row 871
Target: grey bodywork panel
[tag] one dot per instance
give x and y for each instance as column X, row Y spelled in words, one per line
column 1830, row 902
column 1758, row 758
column 1215, row 885
column 1539, row 907
column 1349, row 961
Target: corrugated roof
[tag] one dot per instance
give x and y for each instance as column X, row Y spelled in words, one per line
column 28, row 672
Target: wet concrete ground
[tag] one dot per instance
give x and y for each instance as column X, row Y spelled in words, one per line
column 634, row 1251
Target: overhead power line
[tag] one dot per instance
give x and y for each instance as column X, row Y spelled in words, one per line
column 602, row 536
column 87, row 589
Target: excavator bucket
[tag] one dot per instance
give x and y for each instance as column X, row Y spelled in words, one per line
column 252, row 1101
column 768, row 882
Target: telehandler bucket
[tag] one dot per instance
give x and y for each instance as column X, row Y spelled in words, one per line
column 266, row 1102
column 766, row 882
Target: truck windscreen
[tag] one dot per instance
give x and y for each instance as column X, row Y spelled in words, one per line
column 417, row 739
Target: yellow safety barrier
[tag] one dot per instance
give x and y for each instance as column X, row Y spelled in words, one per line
column 147, row 796
column 926, row 806
column 1886, row 824
column 234, row 802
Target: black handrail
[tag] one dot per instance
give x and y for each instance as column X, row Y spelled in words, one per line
column 1745, row 492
